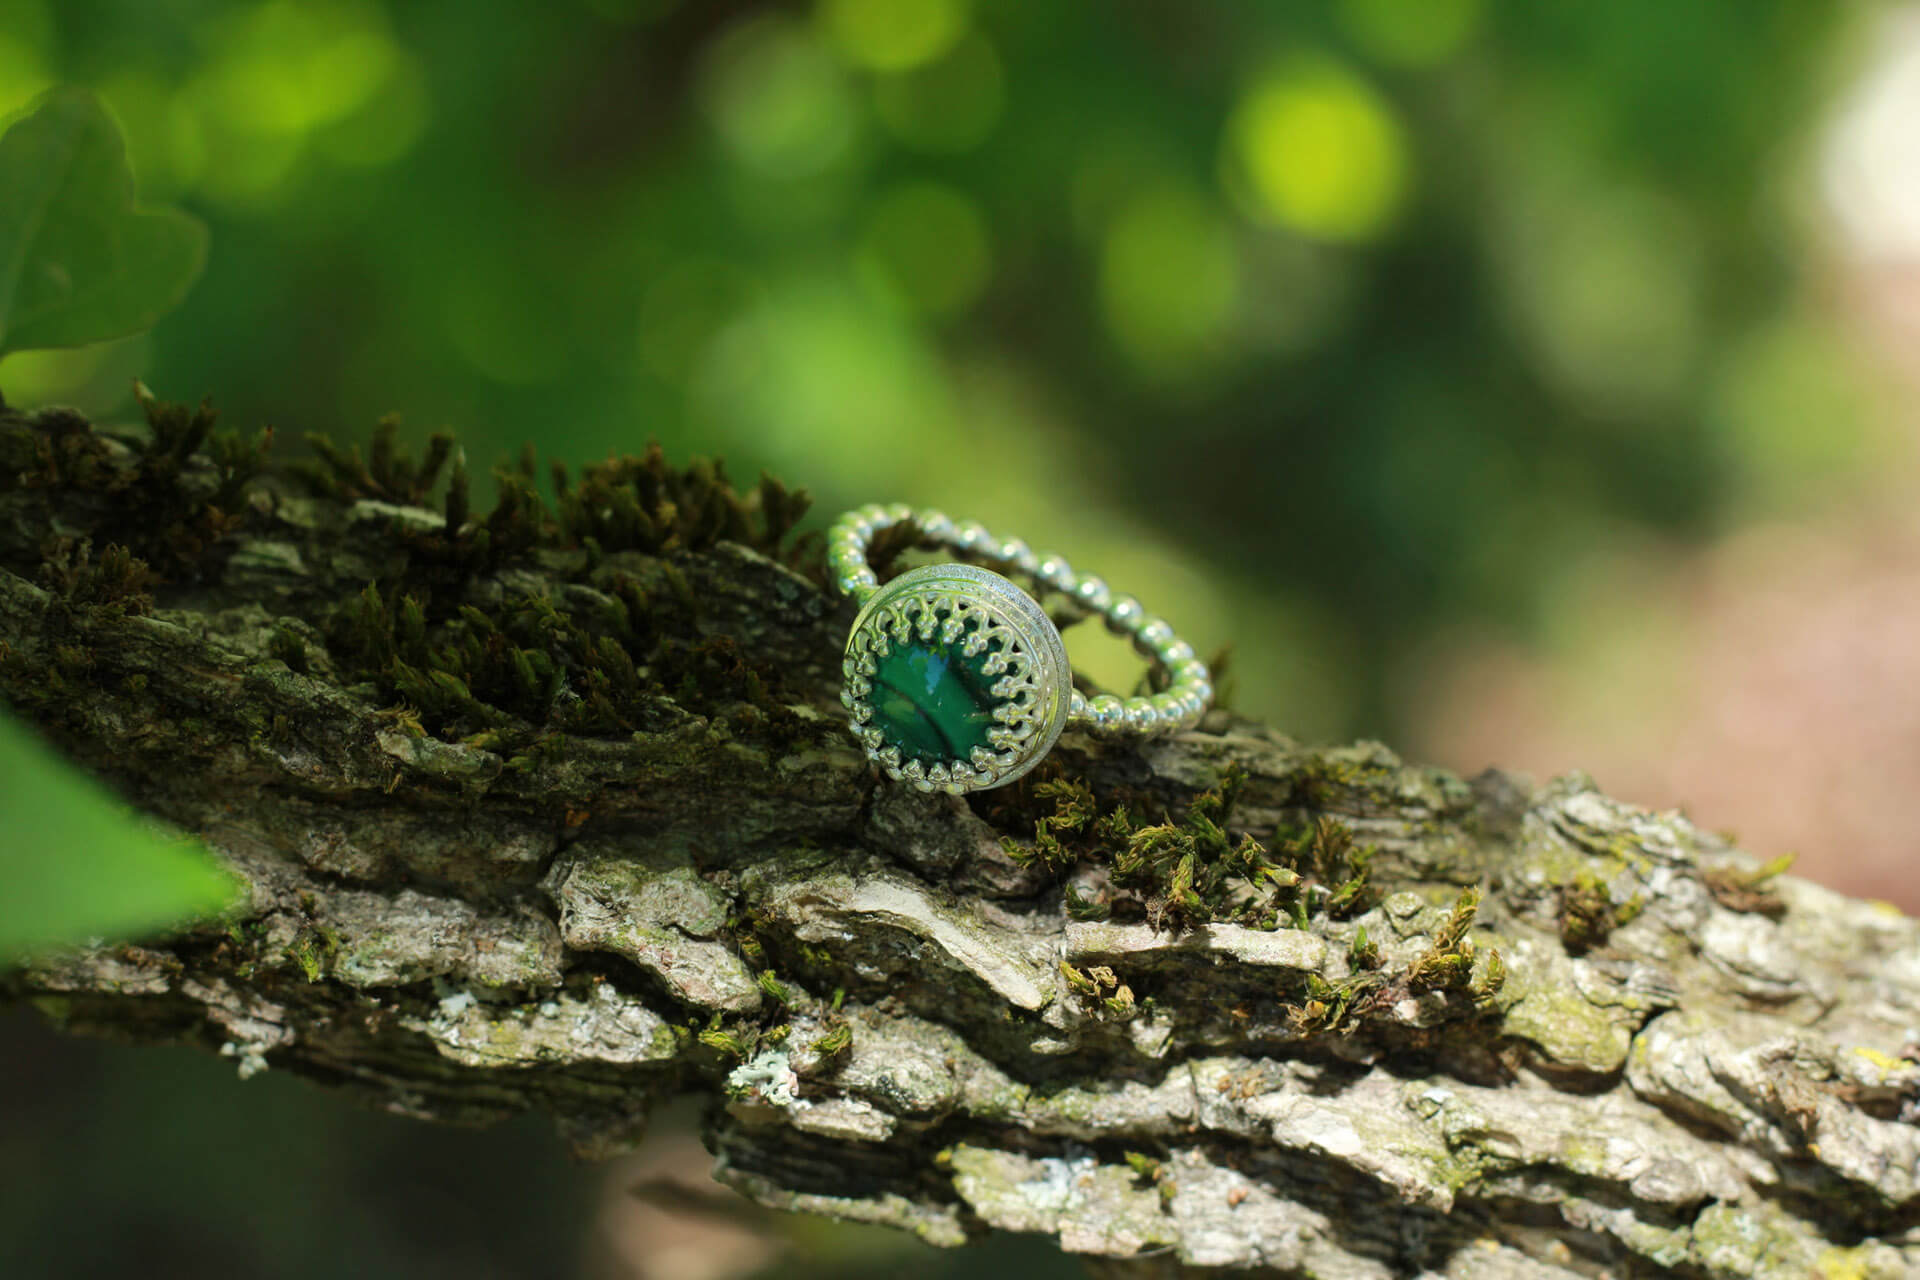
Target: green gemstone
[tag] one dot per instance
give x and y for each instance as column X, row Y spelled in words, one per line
column 932, row 701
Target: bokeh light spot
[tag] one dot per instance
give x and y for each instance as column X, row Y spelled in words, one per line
column 26, row 46
column 386, row 128
column 1607, row 291
column 1789, row 415
column 948, row 104
column 1168, row 279
column 930, row 242
column 820, row 378
column 777, row 99
column 893, row 35
column 287, row 69
column 1410, row 33
column 1317, row 150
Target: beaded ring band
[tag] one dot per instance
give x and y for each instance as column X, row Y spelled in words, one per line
column 957, row 680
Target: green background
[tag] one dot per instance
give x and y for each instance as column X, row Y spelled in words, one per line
column 1325, row 328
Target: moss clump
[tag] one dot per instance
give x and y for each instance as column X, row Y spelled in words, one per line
column 830, row 1044
column 312, row 951
column 1319, row 1005
column 1153, row 1172
column 168, row 497
column 502, row 679
column 1588, row 915
column 616, row 656
column 1182, row 871
column 731, row 1042
column 1363, row 952
column 777, row 991
column 388, row 473
column 116, row 581
column 625, row 503
column 618, row 648
column 1447, row 963
column 1101, row 990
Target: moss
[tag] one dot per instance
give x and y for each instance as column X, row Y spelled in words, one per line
column 114, row 582
column 1363, row 952
column 728, row 1041
column 610, row 659
column 1447, row 965
column 775, row 989
column 388, row 474
column 529, row 669
column 1588, row 915
column 169, row 497
column 832, row 1043
column 1182, row 871
column 1155, row 1173
column 1100, row 990
column 286, row 644
column 312, row 950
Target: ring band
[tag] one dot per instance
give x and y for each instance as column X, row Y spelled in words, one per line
column 957, row 680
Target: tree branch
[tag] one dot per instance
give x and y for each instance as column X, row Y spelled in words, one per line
column 552, row 809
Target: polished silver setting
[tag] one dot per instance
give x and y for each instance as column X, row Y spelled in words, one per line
column 979, row 603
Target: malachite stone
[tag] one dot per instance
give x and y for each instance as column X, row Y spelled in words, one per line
column 932, row 701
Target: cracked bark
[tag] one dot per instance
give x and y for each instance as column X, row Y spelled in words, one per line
column 458, row 928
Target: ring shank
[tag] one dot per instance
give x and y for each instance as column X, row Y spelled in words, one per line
column 1190, row 689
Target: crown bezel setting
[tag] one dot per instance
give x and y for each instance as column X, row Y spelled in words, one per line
column 969, row 611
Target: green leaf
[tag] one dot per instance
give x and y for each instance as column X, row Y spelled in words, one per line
column 78, row 263
column 76, row 864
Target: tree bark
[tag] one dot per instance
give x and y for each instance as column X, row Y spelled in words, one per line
column 561, row 815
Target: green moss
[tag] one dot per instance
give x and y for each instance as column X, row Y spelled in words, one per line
column 1363, row 952
column 1588, row 915
column 1182, row 870
column 170, row 496
column 114, row 582
column 1447, row 964
column 776, row 990
column 832, row 1043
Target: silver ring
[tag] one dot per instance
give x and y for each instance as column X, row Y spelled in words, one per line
column 957, row 680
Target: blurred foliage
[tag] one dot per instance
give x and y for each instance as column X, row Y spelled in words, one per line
column 1327, row 327
column 78, row 264
column 76, row 864
column 1383, row 311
